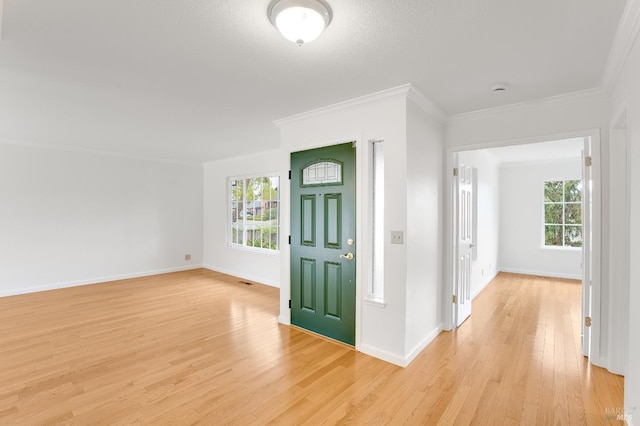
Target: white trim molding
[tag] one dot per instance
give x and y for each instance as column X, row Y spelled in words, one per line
column 243, row 276
column 405, row 91
column 387, row 356
column 626, row 35
column 422, row 345
column 67, row 284
column 566, row 98
column 401, row 361
column 427, row 105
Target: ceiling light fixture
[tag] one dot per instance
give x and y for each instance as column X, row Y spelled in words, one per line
column 300, row 21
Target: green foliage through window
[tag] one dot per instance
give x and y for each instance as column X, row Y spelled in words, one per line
column 255, row 204
column 563, row 213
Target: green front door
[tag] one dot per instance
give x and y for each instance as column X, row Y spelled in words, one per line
column 323, row 231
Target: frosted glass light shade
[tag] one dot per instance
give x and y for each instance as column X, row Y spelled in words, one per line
column 300, row 21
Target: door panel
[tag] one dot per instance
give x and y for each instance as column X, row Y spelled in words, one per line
column 308, row 284
column 333, row 220
column 333, row 289
column 308, row 218
column 464, row 219
column 322, row 222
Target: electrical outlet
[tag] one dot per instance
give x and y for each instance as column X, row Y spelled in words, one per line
column 187, row 257
column 396, row 237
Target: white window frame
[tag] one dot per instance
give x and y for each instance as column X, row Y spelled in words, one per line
column 563, row 224
column 375, row 291
column 234, row 213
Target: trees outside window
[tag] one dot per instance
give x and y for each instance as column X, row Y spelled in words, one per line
column 563, row 213
column 255, row 208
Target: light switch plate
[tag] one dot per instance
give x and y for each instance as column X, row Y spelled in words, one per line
column 397, row 237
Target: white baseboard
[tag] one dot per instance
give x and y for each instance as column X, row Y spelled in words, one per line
column 399, row 360
column 541, row 273
column 244, row 275
column 425, row 342
column 392, row 358
column 57, row 286
column 284, row 320
column 484, row 284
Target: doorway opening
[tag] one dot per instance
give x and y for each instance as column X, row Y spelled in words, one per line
column 514, row 230
column 323, row 246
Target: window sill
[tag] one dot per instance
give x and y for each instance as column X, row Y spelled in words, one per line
column 558, row 248
column 255, row 250
column 378, row 303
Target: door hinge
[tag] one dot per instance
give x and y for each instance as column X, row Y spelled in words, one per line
column 587, row 161
column 289, row 174
column 454, row 299
column 587, row 321
column 289, row 303
column 455, row 171
column 289, row 239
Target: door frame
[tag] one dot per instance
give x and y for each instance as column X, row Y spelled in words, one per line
column 362, row 223
column 451, row 245
column 325, row 255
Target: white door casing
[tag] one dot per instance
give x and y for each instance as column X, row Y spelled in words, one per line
column 587, row 247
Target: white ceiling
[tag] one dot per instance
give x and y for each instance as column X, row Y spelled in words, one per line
column 195, row 80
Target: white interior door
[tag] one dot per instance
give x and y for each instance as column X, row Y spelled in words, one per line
column 587, row 247
column 464, row 242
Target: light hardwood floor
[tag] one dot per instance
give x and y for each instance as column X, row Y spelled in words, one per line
column 200, row 347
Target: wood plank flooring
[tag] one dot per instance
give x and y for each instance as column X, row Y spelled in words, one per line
column 201, row 347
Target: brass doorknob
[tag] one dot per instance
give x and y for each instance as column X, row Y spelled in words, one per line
column 348, row 256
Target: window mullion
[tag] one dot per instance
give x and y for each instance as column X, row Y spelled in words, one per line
column 563, row 210
column 244, row 211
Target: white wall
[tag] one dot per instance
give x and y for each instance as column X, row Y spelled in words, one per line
column 71, row 218
column 618, row 326
column 381, row 329
column 626, row 97
column 425, row 220
column 533, row 122
column 485, row 267
column 521, row 211
column 247, row 263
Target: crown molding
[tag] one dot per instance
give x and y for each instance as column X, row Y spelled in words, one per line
column 405, row 91
column 427, row 105
column 582, row 95
column 625, row 37
column 389, row 94
column 623, row 41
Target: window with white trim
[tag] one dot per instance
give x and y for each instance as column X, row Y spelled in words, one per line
column 563, row 213
column 255, row 212
column 376, row 291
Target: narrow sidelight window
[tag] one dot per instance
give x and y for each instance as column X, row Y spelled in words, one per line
column 377, row 282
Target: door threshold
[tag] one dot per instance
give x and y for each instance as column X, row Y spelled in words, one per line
column 322, row 336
